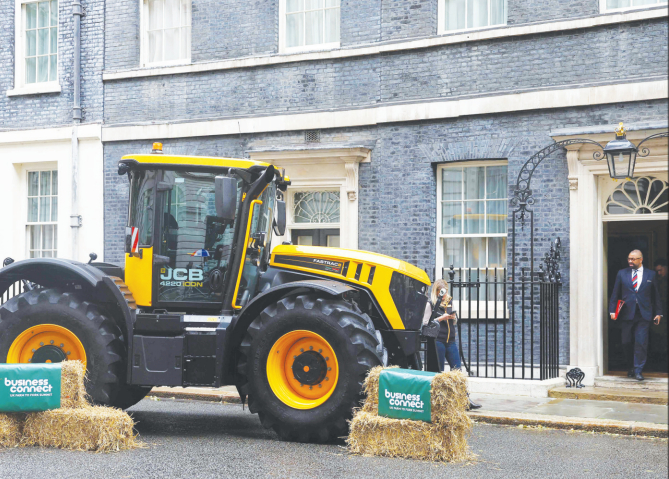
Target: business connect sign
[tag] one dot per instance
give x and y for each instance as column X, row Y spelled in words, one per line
column 29, row 387
column 405, row 394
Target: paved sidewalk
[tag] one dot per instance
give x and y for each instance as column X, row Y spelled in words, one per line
column 600, row 416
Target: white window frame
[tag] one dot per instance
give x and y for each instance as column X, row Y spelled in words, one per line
column 441, row 19
column 28, row 224
column 144, row 39
column 20, row 85
column 303, row 48
column 603, row 9
column 491, row 306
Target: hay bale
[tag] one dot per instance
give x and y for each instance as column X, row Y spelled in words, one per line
column 381, row 436
column 72, row 389
column 91, row 428
column 11, row 426
column 448, row 397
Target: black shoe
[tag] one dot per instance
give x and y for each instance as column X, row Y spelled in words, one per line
column 630, row 373
column 473, row 405
column 639, row 377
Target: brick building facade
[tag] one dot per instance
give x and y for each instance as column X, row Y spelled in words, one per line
column 379, row 103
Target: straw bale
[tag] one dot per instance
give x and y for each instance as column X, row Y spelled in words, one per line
column 11, row 426
column 448, row 397
column 91, row 428
column 72, row 389
column 381, row 436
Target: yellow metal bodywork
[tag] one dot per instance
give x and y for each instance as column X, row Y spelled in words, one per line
column 21, row 349
column 169, row 160
column 246, row 246
column 280, row 374
column 384, row 267
column 139, row 276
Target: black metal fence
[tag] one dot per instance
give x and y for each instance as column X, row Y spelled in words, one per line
column 508, row 328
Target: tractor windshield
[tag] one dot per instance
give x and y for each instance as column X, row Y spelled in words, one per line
column 195, row 243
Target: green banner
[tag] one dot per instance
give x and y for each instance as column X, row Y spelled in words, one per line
column 405, row 394
column 29, row 387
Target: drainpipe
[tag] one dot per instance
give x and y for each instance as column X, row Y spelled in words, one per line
column 75, row 217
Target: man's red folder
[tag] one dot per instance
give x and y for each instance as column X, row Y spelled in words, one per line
column 619, row 307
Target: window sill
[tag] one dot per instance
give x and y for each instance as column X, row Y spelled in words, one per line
column 311, row 48
column 443, row 32
column 35, row 89
column 175, row 63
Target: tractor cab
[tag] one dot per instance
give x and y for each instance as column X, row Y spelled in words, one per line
column 199, row 230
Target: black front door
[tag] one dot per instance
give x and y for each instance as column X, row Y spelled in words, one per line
column 316, row 237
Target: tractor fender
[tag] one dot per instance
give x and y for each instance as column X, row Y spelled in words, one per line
column 237, row 329
column 90, row 283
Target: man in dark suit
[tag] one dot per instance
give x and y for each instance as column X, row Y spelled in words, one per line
column 637, row 287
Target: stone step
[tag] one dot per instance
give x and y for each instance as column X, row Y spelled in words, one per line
column 617, row 382
column 640, row 396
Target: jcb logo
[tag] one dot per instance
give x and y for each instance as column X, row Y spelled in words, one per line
column 181, row 274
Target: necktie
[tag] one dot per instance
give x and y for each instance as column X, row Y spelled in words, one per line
column 635, row 281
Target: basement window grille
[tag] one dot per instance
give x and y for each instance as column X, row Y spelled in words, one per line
column 313, row 136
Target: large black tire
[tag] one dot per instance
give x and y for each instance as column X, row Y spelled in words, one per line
column 99, row 335
column 354, row 341
column 129, row 395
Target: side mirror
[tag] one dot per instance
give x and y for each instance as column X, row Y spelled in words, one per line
column 226, row 197
column 280, row 220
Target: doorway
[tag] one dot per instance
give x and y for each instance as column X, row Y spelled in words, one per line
column 650, row 237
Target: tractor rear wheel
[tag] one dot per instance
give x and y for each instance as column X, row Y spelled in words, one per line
column 49, row 325
column 302, row 364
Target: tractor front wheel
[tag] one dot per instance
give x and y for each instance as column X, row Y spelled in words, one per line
column 302, row 364
column 49, row 326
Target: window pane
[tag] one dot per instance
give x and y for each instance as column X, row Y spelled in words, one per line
column 451, row 218
column 42, row 68
column 54, row 208
column 171, row 44
column 185, row 13
column 617, row 3
column 34, row 236
column 294, row 29
column 497, row 252
column 43, row 14
column 313, row 27
column 637, row 3
column 54, row 182
column 331, row 25
column 305, row 240
column 45, row 183
column 451, row 184
column 497, row 16
column 31, row 43
column 31, row 76
column 155, row 14
column 313, row 4
column 47, row 237
column 31, row 15
column 33, row 183
column 474, row 183
column 171, row 18
column 185, row 42
column 496, row 179
column 333, row 241
column 453, row 252
column 52, row 67
column 53, row 47
column 316, row 207
column 294, row 5
column 496, row 218
column 43, row 41
column 155, row 46
column 53, row 13
column 55, row 240
column 455, row 14
column 475, row 249
column 474, row 217
column 44, row 209
column 331, row 3
column 477, row 13
column 32, row 209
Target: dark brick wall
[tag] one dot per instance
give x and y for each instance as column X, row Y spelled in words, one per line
column 122, row 34
column 408, row 18
column 54, row 109
column 518, row 64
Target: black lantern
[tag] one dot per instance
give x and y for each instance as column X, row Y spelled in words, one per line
column 621, row 155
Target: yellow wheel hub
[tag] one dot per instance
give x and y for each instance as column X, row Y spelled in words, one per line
column 302, row 369
column 46, row 343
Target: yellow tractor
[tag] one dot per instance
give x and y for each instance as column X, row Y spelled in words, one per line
column 202, row 301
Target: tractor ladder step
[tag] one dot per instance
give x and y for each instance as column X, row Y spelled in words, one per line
column 127, row 294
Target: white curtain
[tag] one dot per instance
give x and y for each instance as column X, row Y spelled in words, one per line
column 169, row 31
